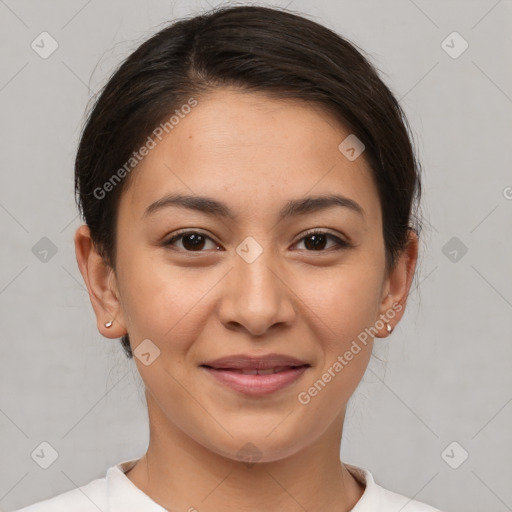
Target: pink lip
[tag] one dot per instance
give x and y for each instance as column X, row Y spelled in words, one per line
column 257, row 385
column 258, row 361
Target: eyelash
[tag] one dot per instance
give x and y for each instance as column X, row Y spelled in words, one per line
column 340, row 244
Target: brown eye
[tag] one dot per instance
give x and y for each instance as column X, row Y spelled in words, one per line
column 317, row 241
column 192, row 241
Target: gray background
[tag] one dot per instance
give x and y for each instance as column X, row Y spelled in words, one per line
column 446, row 371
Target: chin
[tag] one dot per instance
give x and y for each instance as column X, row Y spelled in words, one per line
column 257, row 445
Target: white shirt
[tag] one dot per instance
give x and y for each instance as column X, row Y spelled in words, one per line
column 117, row 493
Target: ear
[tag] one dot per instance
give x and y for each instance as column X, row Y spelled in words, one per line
column 101, row 283
column 395, row 289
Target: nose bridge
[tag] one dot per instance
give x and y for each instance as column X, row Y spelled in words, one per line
column 256, row 297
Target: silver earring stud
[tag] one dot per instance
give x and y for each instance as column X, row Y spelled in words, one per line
column 108, row 324
column 389, row 328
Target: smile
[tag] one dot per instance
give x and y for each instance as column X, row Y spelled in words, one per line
column 256, row 382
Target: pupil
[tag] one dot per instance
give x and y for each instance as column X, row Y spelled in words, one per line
column 317, row 244
column 196, row 241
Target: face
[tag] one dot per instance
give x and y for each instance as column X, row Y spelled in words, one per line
column 245, row 277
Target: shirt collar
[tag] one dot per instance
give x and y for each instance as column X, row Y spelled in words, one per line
column 369, row 500
column 125, row 496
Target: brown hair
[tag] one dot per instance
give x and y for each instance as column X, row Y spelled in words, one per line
column 257, row 49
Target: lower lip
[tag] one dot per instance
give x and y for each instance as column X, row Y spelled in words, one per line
column 257, row 385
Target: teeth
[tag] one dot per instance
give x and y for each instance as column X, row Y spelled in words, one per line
column 249, row 372
column 267, row 372
column 254, row 371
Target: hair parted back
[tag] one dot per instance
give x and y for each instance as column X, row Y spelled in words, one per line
column 256, row 49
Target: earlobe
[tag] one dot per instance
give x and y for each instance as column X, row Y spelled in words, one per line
column 398, row 284
column 99, row 277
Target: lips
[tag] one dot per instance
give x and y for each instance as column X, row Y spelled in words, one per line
column 256, row 375
column 249, row 363
column 256, row 371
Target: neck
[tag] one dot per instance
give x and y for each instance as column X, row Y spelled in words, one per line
column 180, row 474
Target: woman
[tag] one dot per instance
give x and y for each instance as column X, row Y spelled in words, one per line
column 248, row 187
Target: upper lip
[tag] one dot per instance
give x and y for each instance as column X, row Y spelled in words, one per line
column 254, row 362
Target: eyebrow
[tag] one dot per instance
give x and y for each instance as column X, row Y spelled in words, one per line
column 216, row 208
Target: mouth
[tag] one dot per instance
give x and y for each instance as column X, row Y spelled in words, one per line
column 256, row 377
column 256, row 371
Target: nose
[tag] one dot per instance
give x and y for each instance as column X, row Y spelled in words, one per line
column 256, row 297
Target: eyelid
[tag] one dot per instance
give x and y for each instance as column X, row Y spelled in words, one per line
column 324, row 231
column 340, row 240
column 187, row 231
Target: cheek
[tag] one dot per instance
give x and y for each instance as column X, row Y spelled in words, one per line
column 162, row 302
column 343, row 309
column 344, row 300
column 344, row 306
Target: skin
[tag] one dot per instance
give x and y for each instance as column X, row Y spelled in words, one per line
column 253, row 153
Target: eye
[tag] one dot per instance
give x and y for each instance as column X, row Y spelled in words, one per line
column 316, row 240
column 192, row 241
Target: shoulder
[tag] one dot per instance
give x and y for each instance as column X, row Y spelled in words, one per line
column 88, row 498
column 115, row 492
column 391, row 502
column 377, row 498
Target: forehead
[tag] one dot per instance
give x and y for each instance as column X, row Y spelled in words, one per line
column 252, row 151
